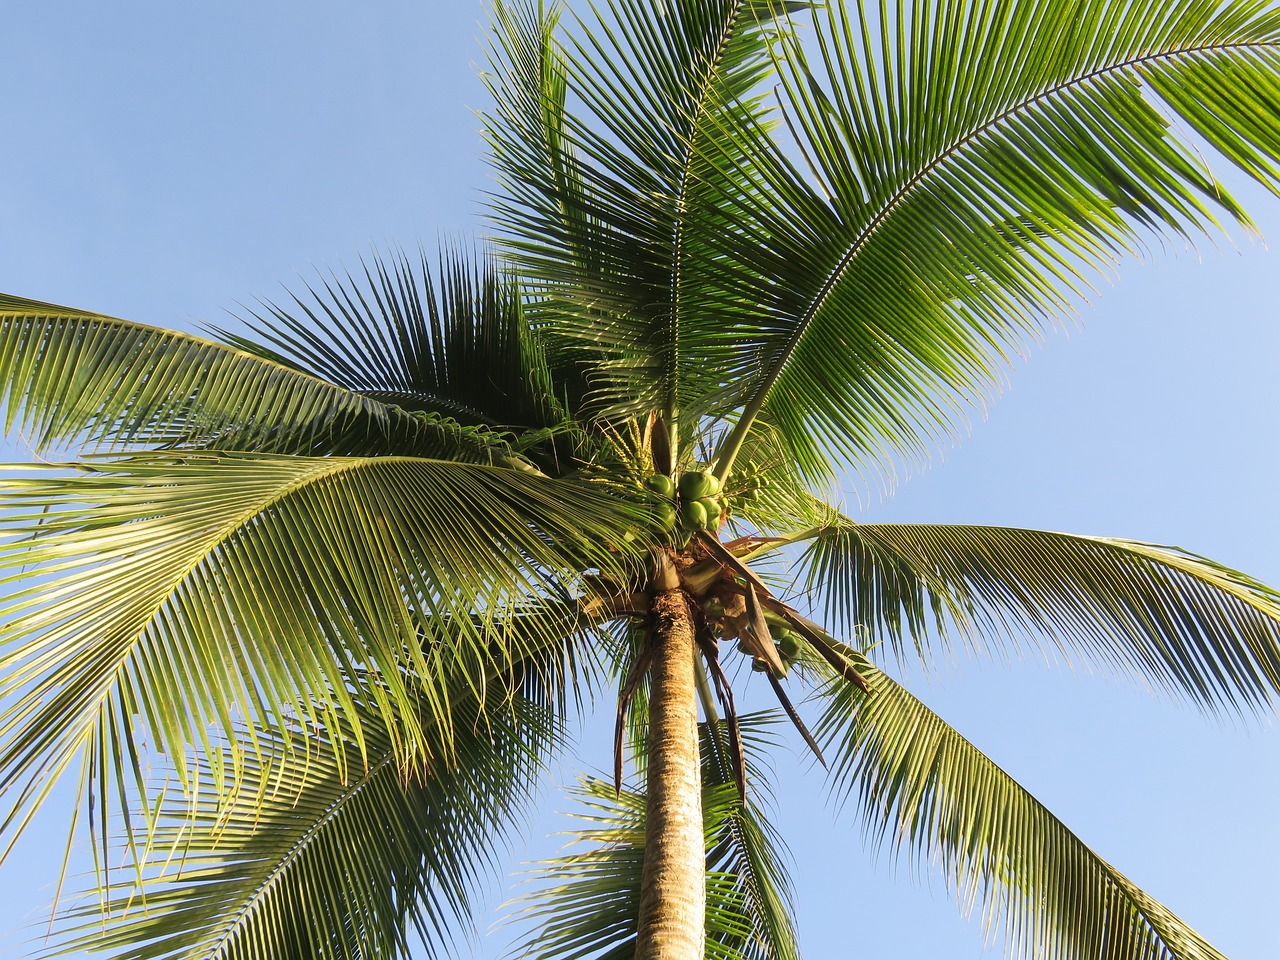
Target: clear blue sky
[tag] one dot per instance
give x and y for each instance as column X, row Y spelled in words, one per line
column 163, row 161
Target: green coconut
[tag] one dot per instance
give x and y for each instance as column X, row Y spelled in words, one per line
column 693, row 515
column 698, row 483
column 661, row 485
column 789, row 644
column 664, row 515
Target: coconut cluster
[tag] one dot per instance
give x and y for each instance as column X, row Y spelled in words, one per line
column 726, row 612
column 693, row 502
column 788, row 643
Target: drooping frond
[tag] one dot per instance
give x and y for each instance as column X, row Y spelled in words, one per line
column 920, row 787
column 451, row 341
column 77, row 380
column 588, row 900
column 300, row 856
column 191, row 594
column 1157, row 614
column 953, row 174
column 619, row 147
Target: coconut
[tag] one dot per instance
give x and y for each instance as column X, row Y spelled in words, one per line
column 693, row 515
column 661, row 485
column 698, row 483
column 664, row 515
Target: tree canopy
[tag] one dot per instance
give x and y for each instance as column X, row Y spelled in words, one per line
column 362, row 555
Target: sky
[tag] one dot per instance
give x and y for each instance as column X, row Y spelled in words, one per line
column 166, row 162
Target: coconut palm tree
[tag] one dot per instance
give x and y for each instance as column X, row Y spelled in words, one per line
column 307, row 611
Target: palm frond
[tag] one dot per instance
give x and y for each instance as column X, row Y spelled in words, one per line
column 589, row 901
column 744, row 845
column 1159, row 615
column 768, row 488
column 301, row 856
column 82, row 381
column 926, row 791
column 188, row 594
column 971, row 164
column 618, row 146
column 451, row 341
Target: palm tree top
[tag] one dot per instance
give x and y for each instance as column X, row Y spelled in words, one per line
column 334, row 570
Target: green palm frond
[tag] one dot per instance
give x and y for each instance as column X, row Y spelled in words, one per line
column 589, row 901
column 301, row 856
column 620, row 145
column 925, row 790
column 768, row 489
column 77, row 380
column 452, row 341
column 589, row 905
column 192, row 593
column 1157, row 614
column 969, row 164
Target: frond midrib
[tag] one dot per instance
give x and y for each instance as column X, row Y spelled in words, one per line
column 689, row 154
column 296, row 850
column 878, row 218
column 325, row 467
column 440, row 403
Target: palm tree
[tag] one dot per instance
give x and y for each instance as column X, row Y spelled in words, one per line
column 307, row 613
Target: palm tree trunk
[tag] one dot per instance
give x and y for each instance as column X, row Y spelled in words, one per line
column 673, row 888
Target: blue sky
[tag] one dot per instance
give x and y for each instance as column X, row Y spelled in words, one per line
column 163, row 162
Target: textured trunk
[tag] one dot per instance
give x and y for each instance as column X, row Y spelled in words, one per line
column 673, row 890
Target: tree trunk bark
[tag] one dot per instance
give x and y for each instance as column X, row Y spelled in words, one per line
column 673, row 888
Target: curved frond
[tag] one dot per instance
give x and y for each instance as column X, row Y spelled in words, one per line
column 922, row 788
column 78, row 380
column 1158, row 614
column 194, row 593
column 970, row 164
column 294, row 858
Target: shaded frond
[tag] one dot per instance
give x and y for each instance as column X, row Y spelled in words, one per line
column 589, row 901
column 300, row 856
column 744, row 845
column 452, row 341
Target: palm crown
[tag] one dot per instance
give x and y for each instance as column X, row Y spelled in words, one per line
column 344, row 582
